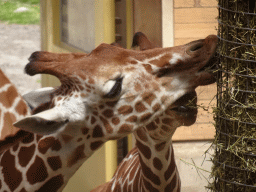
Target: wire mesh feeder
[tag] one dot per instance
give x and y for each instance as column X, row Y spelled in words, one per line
column 234, row 161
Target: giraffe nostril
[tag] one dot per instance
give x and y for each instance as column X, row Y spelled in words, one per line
column 196, row 47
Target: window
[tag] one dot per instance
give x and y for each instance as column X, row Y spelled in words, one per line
column 78, row 23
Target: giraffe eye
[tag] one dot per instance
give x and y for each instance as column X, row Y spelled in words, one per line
column 116, row 88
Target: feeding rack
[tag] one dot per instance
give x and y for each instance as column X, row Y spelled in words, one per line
column 234, row 161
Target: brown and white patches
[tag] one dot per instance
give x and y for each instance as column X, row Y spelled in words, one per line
column 130, row 97
column 37, row 171
column 23, row 190
column 149, row 174
column 91, row 81
column 160, row 146
column 148, row 97
column 28, row 139
column 12, row 176
column 157, row 163
column 140, row 107
column 53, row 184
column 125, row 110
column 38, row 137
column 108, row 113
column 167, row 128
column 167, row 121
column 160, row 60
column 3, row 79
column 47, row 143
column 93, row 120
column 151, row 126
column 164, row 99
column 125, row 128
column 25, row 155
column 54, row 162
column 148, row 68
column 149, row 186
column 107, row 125
column 84, row 95
column 115, row 120
column 66, row 138
column 7, row 128
column 8, row 97
column 167, row 155
column 144, row 150
column 145, row 117
column 96, row 144
column 85, row 130
column 135, row 167
column 111, row 104
column 76, row 155
column 137, row 87
column 172, row 185
column 130, row 68
column 21, row 108
column 97, row 132
column 171, row 168
column 101, row 107
column 142, row 134
column 132, row 119
column 156, row 107
column 9, row 118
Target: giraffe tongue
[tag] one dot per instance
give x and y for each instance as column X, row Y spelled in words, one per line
column 182, row 109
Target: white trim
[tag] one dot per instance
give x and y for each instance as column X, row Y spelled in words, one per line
column 167, row 23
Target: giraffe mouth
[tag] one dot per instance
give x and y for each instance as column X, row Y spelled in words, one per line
column 186, row 105
column 211, row 66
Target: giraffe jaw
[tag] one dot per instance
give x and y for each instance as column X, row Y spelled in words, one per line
column 186, row 105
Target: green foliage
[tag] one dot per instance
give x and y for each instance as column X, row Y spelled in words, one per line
column 7, row 14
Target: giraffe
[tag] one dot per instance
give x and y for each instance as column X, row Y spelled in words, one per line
column 104, row 95
column 150, row 165
column 12, row 107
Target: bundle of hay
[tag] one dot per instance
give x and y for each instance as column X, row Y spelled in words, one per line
column 234, row 161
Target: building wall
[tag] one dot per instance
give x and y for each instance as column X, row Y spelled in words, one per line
column 196, row 19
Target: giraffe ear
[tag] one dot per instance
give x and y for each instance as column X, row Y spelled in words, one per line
column 37, row 97
column 44, row 123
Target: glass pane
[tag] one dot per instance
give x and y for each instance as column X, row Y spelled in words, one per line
column 77, row 23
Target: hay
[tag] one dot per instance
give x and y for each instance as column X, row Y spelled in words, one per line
column 234, row 161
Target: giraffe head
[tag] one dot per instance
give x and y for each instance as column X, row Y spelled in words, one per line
column 113, row 91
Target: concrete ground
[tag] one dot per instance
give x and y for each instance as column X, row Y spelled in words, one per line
column 17, row 42
column 193, row 165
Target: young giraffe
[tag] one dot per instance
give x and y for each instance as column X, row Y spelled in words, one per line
column 150, row 165
column 12, row 107
column 104, row 95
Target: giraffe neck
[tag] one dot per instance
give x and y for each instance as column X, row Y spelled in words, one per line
column 150, row 166
column 156, row 157
column 12, row 107
column 45, row 163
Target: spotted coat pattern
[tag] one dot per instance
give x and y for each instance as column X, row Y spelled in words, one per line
column 106, row 95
